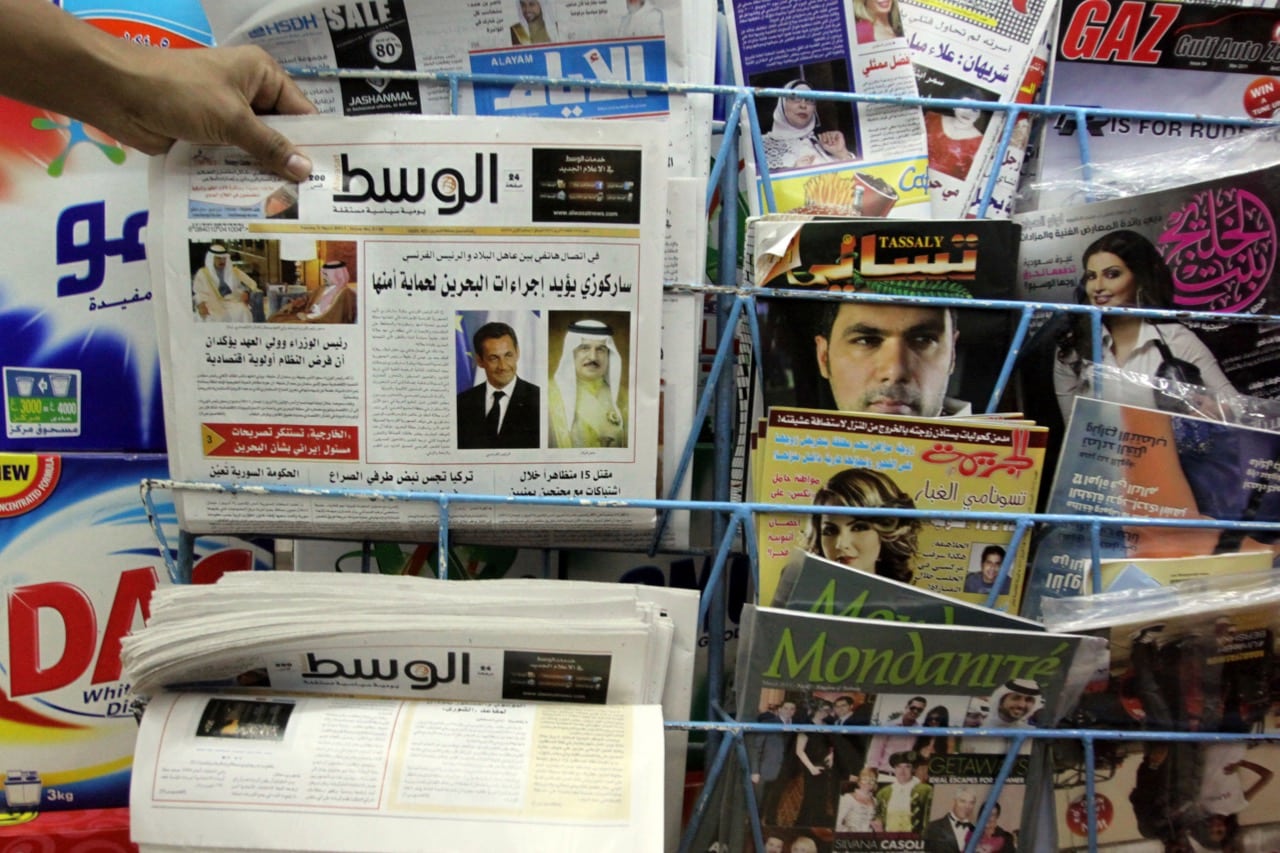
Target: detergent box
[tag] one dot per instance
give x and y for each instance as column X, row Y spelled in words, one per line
column 79, row 560
column 79, row 369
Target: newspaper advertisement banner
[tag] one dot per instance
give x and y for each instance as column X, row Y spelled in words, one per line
column 979, row 52
column 601, row 40
column 350, row 332
column 828, row 156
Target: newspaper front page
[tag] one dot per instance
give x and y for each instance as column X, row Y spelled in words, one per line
column 323, row 335
column 339, row 774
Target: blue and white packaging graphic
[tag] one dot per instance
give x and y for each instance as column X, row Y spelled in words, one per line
column 78, row 361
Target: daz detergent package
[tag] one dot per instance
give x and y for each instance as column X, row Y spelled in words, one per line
column 79, row 561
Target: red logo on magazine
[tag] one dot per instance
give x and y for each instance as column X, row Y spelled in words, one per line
column 1101, row 31
column 26, row 481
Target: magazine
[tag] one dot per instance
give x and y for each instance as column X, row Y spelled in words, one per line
column 1204, row 664
column 957, row 260
column 1195, row 57
column 1214, row 239
column 826, row 156
column 351, row 340
column 1013, row 168
column 979, row 52
column 818, row 585
column 891, row 791
column 1127, row 461
column 338, row 774
column 836, row 459
column 653, row 41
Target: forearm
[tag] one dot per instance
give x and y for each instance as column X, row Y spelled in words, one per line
column 147, row 97
column 52, row 60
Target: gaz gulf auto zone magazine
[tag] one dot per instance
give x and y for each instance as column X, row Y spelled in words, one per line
column 349, row 332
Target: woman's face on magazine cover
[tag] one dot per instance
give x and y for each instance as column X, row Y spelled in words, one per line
column 798, row 111
column 880, row 8
column 850, row 541
column 1109, row 281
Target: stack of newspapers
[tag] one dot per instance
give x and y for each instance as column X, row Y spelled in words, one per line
column 523, row 711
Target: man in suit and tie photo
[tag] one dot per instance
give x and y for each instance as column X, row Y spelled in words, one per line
column 950, row 833
column 503, row 411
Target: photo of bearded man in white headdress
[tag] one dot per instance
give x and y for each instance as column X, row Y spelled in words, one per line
column 587, row 401
column 221, row 292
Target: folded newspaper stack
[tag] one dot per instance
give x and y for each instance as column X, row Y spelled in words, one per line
column 275, row 674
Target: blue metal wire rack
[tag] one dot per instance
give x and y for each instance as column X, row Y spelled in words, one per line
column 725, row 744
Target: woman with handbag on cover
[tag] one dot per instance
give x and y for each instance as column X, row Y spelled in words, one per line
column 1123, row 269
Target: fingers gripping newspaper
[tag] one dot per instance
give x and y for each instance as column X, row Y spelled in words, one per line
column 353, row 331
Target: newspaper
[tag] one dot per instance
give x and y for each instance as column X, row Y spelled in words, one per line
column 1200, row 58
column 665, row 41
column 505, row 621
column 854, row 159
column 335, row 774
column 438, row 230
column 980, row 51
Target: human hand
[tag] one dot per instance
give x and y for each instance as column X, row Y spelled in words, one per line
column 147, row 96
column 832, row 141
column 204, row 96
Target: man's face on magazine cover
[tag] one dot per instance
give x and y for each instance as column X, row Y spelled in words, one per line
column 991, row 566
column 888, row 359
column 1015, row 706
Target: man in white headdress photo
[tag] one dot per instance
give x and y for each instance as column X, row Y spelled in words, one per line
column 585, row 410
column 221, row 291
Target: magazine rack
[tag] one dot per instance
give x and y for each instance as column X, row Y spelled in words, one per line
column 733, row 519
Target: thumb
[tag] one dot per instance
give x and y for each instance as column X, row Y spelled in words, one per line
column 272, row 148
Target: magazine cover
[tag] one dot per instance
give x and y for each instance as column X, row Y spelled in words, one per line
column 980, row 51
column 890, row 791
column 818, row 585
column 1212, row 671
column 1209, row 246
column 836, row 459
column 1208, row 58
column 837, row 355
column 1127, row 461
column 826, row 156
column 459, row 310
